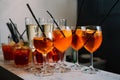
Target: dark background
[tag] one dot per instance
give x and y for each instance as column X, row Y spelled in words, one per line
column 93, row 11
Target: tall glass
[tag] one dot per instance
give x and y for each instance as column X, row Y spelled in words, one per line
column 31, row 31
column 77, row 43
column 62, row 41
column 43, row 43
column 92, row 40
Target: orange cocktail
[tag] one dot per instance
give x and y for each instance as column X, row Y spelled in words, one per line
column 94, row 41
column 77, row 42
column 62, row 42
column 43, row 45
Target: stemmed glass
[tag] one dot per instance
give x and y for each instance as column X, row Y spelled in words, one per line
column 62, row 41
column 43, row 43
column 77, row 43
column 92, row 40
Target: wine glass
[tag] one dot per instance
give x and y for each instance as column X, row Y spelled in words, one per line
column 92, row 40
column 43, row 43
column 77, row 43
column 49, row 22
column 62, row 41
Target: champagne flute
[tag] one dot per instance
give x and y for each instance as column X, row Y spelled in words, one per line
column 31, row 31
column 77, row 43
column 93, row 39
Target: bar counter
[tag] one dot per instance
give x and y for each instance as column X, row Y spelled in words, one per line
column 72, row 75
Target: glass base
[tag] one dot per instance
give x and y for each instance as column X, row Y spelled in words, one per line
column 89, row 70
column 76, row 66
column 62, row 68
column 43, row 72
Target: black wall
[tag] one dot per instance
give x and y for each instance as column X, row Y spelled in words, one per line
column 93, row 11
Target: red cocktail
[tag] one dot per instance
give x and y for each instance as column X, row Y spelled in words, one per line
column 7, row 51
column 21, row 55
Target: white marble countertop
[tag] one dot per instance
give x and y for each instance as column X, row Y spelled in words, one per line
column 72, row 75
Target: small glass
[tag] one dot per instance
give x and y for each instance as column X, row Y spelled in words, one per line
column 21, row 56
column 7, row 50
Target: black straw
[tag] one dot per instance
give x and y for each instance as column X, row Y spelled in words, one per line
column 16, row 29
column 23, row 32
column 35, row 19
column 13, row 34
column 55, row 22
column 53, row 18
column 101, row 23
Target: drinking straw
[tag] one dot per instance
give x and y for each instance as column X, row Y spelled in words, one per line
column 35, row 19
column 55, row 23
column 102, row 21
column 52, row 18
column 16, row 30
column 14, row 37
column 23, row 32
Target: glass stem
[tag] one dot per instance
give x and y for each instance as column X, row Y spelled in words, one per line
column 60, row 60
column 91, row 55
column 44, row 62
column 77, row 62
column 32, row 56
column 61, row 57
